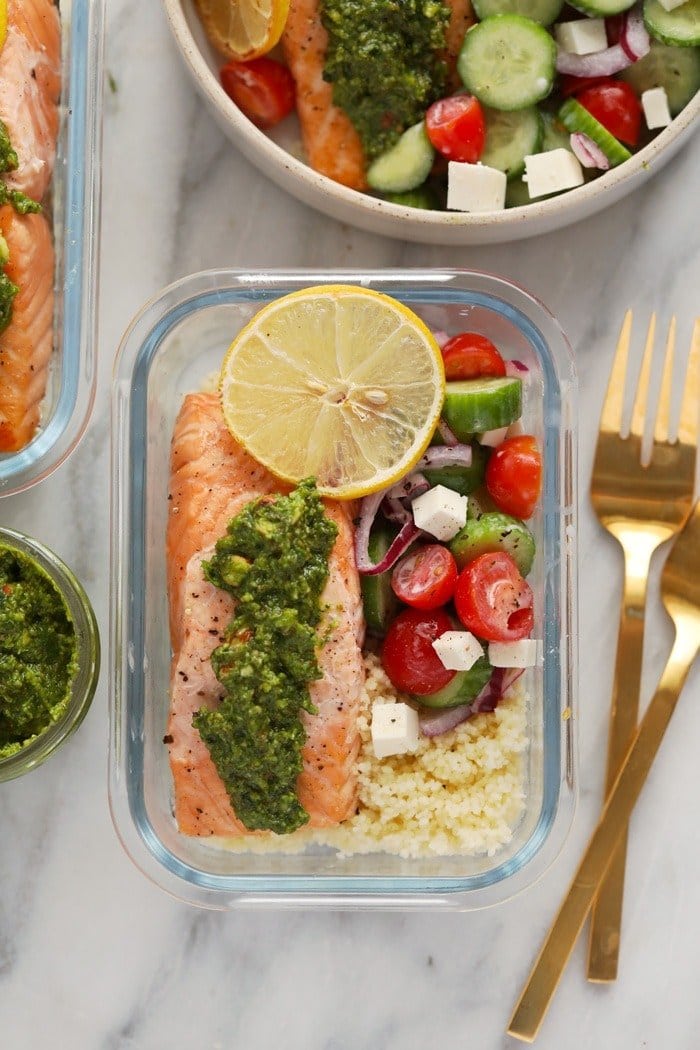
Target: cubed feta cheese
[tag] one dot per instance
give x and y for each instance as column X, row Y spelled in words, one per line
column 395, row 729
column 458, row 650
column 475, row 187
column 671, row 5
column 655, row 106
column 583, row 37
column 551, row 172
column 441, row 512
column 516, row 429
column 493, row 438
column 514, row 654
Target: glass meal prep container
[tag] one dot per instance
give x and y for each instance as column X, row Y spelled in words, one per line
column 74, row 210
column 173, row 347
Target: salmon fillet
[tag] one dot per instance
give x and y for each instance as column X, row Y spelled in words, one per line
column 26, row 344
column 461, row 19
column 30, row 86
column 332, row 145
column 212, row 478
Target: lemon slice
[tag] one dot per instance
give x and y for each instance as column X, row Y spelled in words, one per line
column 3, row 22
column 243, row 29
column 339, row 383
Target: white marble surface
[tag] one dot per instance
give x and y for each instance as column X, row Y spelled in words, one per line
column 93, row 956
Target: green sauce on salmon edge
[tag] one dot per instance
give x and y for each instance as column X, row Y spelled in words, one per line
column 38, row 651
column 274, row 561
column 385, row 62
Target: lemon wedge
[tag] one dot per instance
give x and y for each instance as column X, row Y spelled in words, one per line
column 337, row 382
column 243, row 29
column 3, row 22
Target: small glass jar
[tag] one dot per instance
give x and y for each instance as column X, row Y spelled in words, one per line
column 87, row 640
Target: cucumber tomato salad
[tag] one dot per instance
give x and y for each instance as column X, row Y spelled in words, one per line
column 444, row 555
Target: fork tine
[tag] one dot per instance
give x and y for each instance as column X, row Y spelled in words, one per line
column 611, row 416
column 690, row 405
column 640, row 399
column 663, row 411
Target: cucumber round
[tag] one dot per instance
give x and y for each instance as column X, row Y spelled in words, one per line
column 602, row 8
column 491, row 533
column 574, row 117
column 680, row 27
column 510, row 138
column 543, row 11
column 406, row 165
column 554, row 134
column 462, row 689
column 461, row 479
column 424, row 197
column 675, row 69
column 473, row 406
column 379, row 602
column 508, row 62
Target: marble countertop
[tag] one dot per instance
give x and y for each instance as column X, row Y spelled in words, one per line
column 92, row 955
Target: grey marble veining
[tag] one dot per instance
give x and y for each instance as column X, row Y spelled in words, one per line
column 92, row 957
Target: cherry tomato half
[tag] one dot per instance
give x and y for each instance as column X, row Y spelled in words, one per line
column 470, row 355
column 493, row 600
column 514, row 476
column 408, row 656
column 456, row 128
column 616, row 107
column 262, row 89
column 426, row 578
column 570, row 85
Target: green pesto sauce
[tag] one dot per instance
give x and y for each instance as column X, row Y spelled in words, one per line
column 38, row 651
column 8, row 162
column 8, row 291
column 8, row 157
column 385, row 63
column 274, row 561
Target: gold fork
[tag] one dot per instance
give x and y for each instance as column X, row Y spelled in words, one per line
column 642, row 506
column 680, row 590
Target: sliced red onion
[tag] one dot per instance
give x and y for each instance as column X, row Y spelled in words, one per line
column 412, row 485
column 634, row 39
column 599, row 64
column 394, row 511
column 588, row 152
column 435, row 724
column 446, row 456
column 441, row 338
column 368, row 512
column 515, row 366
column 448, row 436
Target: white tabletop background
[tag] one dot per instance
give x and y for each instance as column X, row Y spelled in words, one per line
column 91, row 954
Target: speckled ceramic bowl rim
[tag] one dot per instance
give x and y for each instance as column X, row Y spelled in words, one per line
column 88, row 642
column 412, row 217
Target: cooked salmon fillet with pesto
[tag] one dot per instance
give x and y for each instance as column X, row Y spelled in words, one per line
column 213, row 484
column 26, row 341
column 30, row 86
column 336, row 52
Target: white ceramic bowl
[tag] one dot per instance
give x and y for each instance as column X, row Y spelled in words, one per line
column 279, row 156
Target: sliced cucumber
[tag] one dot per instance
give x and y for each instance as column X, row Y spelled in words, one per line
column 507, row 61
column 602, row 8
column 461, row 479
column 491, row 533
column 574, row 117
column 475, row 405
column 424, row 197
column 517, row 194
column 510, row 138
column 543, row 11
column 555, row 135
column 406, row 165
column 480, row 503
column 462, row 689
column 675, row 69
column 680, row 27
column 378, row 599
